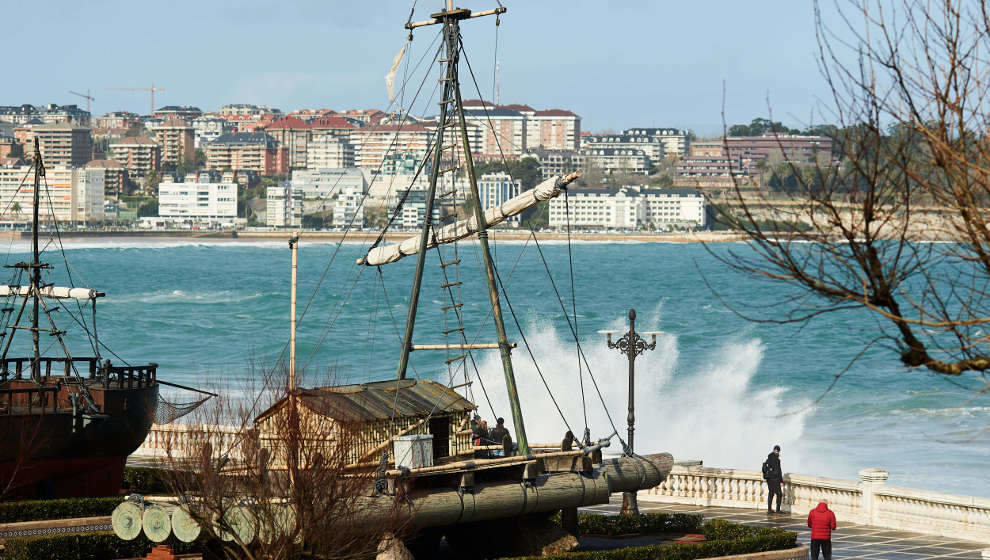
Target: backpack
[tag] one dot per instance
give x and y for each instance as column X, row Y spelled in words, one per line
column 767, row 470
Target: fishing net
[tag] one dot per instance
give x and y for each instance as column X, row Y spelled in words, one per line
column 170, row 411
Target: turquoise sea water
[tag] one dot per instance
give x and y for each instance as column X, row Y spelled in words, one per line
column 717, row 388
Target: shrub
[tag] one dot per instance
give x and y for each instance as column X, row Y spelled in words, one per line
column 35, row 510
column 611, row 525
column 143, row 480
column 87, row 546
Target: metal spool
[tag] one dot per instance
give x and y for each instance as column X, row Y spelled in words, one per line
column 126, row 520
column 242, row 523
column 186, row 528
column 157, row 523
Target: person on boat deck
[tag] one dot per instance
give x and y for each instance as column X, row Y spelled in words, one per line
column 480, row 437
column 773, row 474
column 498, row 435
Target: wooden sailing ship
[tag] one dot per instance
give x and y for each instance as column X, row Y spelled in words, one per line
column 67, row 422
column 455, row 487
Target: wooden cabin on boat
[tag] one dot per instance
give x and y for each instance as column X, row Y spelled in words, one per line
column 367, row 417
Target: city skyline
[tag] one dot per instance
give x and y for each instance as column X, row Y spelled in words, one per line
column 629, row 68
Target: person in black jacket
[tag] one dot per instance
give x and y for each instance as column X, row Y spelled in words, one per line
column 497, row 435
column 774, row 476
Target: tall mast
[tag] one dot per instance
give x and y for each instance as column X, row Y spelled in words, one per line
column 452, row 95
column 35, row 266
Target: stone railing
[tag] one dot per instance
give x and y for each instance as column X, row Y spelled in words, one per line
column 869, row 501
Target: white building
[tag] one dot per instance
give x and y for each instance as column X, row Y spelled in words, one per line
column 629, row 207
column 208, row 129
column 323, row 184
column 284, row 206
column 617, row 160
column 329, row 152
column 73, row 195
column 348, row 205
column 656, row 143
column 496, row 188
column 211, row 203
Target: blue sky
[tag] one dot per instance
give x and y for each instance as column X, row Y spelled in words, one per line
column 617, row 64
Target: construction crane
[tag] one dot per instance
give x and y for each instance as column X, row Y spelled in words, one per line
column 87, row 97
column 152, row 90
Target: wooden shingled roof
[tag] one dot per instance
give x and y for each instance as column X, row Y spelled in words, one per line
column 380, row 400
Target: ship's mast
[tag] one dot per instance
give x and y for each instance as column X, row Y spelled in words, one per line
column 451, row 106
column 35, row 265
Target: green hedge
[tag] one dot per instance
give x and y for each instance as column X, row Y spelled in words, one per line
column 723, row 539
column 35, row 510
column 143, row 480
column 88, row 546
column 612, row 525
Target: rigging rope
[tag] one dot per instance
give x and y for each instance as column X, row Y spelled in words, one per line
column 570, row 264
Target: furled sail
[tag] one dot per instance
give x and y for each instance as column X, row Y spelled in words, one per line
column 462, row 228
column 55, row 292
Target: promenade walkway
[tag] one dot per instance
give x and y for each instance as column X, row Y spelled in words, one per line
column 848, row 542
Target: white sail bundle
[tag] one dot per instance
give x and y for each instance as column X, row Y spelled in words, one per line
column 463, row 228
column 54, row 292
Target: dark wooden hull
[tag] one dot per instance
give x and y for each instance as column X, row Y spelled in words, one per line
column 51, row 452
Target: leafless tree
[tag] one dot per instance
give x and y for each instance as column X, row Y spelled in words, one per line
column 293, row 464
column 909, row 83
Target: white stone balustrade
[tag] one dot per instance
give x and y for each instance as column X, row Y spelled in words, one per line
column 869, row 501
column 181, row 439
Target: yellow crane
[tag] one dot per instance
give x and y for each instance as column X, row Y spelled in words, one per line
column 152, row 90
column 87, row 97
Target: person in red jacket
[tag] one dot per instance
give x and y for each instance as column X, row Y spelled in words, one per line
column 822, row 523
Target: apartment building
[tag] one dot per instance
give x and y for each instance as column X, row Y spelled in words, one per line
column 214, row 203
column 329, row 152
column 115, row 176
column 553, row 129
column 520, row 128
column 629, row 207
column 139, row 155
column 715, row 166
column 177, row 139
column 503, row 131
column 63, row 144
column 296, row 134
column 207, row 129
column 323, row 184
column 494, row 189
column 557, row 162
column 372, row 143
column 74, row 195
column 180, row 112
column 284, row 206
column 248, row 151
column 617, row 160
column 116, row 119
column 656, row 143
column 45, row 114
column 348, row 204
column 793, row 148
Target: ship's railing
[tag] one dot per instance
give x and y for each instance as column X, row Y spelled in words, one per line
column 29, row 398
column 123, row 377
column 869, row 501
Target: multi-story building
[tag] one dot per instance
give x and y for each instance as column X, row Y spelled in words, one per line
column 292, row 133
column 178, row 141
column 793, row 148
column 629, row 207
column 46, row 114
column 715, row 166
column 553, row 129
column 183, row 113
column 197, row 202
column 496, row 188
column 139, row 155
column 323, row 184
column 64, row 144
column 207, row 129
column 414, row 209
column 74, row 195
column 656, row 143
column 284, row 206
column 329, row 152
column 617, row 160
column 247, row 151
column 372, row 143
column 365, row 116
column 117, row 119
column 247, row 117
column 348, row 205
column 503, row 131
column 557, row 162
column 114, row 176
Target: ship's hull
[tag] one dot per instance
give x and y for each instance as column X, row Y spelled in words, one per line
column 53, row 452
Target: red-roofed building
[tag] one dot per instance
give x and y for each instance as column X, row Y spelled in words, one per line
column 296, row 134
column 553, row 129
column 372, row 143
column 366, row 116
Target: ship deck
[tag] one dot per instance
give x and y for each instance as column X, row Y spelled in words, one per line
column 849, row 541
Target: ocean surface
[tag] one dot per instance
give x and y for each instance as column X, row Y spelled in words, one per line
column 717, row 388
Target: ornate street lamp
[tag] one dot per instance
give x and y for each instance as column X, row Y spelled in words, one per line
column 632, row 345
